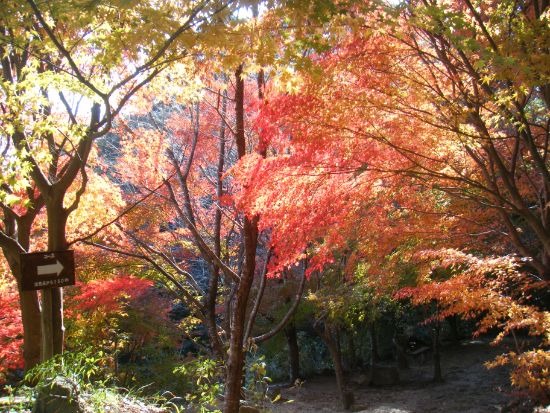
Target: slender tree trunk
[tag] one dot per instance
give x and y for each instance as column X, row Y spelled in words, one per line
column 400, row 342
column 235, row 365
column 352, row 356
column 53, row 330
column 293, row 352
column 453, row 324
column 375, row 355
column 228, row 306
column 213, row 283
column 211, row 323
column 46, row 303
column 20, row 229
column 330, row 337
column 30, row 318
column 29, row 300
column 235, row 360
column 58, row 326
column 438, row 377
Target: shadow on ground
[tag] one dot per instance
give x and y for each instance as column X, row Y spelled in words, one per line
column 469, row 387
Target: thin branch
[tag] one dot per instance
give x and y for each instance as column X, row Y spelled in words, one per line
column 287, row 317
column 49, row 31
column 124, row 212
column 8, row 242
column 203, row 246
column 259, row 296
column 165, row 273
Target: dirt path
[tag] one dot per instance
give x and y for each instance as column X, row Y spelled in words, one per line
column 468, row 388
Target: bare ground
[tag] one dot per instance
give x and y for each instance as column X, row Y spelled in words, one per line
column 468, row 387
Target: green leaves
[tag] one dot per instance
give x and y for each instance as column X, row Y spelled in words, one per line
column 83, row 367
column 204, row 374
column 14, row 178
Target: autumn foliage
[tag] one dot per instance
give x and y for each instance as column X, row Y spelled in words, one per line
column 530, row 372
column 116, row 313
column 498, row 296
column 411, row 135
column 108, row 295
column 491, row 289
column 406, row 143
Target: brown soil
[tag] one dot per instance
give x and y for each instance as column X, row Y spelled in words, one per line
column 468, row 387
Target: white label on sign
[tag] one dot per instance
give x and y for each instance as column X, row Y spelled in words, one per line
column 50, row 269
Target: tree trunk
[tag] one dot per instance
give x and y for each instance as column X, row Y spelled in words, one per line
column 46, row 302
column 211, row 323
column 438, row 377
column 58, row 327
column 375, row 355
column 352, row 353
column 28, row 300
column 213, row 283
column 329, row 336
column 293, row 352
column 400, row 342
column 53, row 330
column 234, row 373
column 30, row 318
column 453, row 324
column 235, row 360
column 32, row 329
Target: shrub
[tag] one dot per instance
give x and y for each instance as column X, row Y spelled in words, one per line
column 203, row 375
column 11, row 333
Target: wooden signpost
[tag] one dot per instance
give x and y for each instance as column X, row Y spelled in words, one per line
column 41, row 270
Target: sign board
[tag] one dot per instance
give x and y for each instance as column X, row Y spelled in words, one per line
column 42, row 270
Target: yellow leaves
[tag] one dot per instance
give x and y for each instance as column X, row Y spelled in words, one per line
column 531, row 372
column 100, row 204
column 288, row 80
column 188, row 40
column 121, row 4
column 179, row 83
column 189, row 323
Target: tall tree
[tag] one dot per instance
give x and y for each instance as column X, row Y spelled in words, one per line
column 58, row 58
column 189, row 221
column 426, row 127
